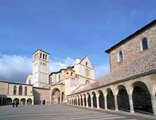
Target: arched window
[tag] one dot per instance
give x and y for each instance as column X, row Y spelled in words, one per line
column 144, row 44
column 29, row 82
column 14, row 90
column 25, row 90
column 71, row 73
column 20, row 90
column 40, row 55
column 45, row 57
column 86, row 63
column 120, row 56
column 59, row 77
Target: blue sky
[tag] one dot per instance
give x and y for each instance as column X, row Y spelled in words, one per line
column 67, row 29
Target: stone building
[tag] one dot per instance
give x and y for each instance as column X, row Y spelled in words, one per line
column 10, row 92
column 44, row 88
column 131, row 84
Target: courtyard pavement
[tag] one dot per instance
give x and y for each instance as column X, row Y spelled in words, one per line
column 60, row 112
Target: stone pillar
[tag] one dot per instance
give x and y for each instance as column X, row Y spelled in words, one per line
column 86, row 100
column 153, row 101
column 131, row 103
column 32, row 101
column 60, row 98
column 105, row 97
column 77, row 101
column 2, row 101
column 116, row 102
column 97, row 102
column 25, row 102
column 92, row 101
column 83, row 101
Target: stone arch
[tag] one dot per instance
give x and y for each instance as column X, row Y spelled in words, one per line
column 89, row 100
column 87, row 82
column 122, row 98
column 16, row 100
column 94, row 99
column 110, row 99
column 141, row 97
column 101, row 99
column 84, row 96
column 29, row 101
column 0, row 101
column 55, row 96
column 43, row 102
column 75, row 101
column 23, row 101
column 78, row 100
column 8, row 101
column 81, row 100
column 72, row 102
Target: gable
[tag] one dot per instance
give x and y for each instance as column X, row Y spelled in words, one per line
column 86, row 62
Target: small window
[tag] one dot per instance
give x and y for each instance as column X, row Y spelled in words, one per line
column 29, row 82
column 71, row 73
column 43, row 56
column 120, row 58
column 59, row 77
column 20, row 90
column 144, row 44
column 86, row 63
column 67, row 73
column 14, row 90
column 40, row 55
column 25, row 90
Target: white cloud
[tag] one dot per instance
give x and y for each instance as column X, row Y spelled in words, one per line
column 102, row 70
column 16, row 68
column 56, row 66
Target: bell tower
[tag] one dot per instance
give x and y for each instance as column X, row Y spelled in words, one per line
column 40, row 70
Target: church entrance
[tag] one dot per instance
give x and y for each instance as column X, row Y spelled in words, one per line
column 56, row 96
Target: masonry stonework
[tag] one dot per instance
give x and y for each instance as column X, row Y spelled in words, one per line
column 132, row 48
column 131, row 85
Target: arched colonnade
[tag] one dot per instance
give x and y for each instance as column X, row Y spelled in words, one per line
column 136, row 96
column 9, row 101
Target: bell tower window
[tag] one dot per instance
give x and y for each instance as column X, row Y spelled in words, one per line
column 40, row 55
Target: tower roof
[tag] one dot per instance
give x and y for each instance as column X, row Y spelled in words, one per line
column 41, row 50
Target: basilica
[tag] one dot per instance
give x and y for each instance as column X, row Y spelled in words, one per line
column 44, row 88
column 130, row 86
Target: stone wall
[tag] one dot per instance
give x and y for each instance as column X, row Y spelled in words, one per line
column 142, row 66
column 41, row 94
column 11, row 89
column 3, row 88
column 132, row 49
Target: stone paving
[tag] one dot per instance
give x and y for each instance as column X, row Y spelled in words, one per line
column 59, row 112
